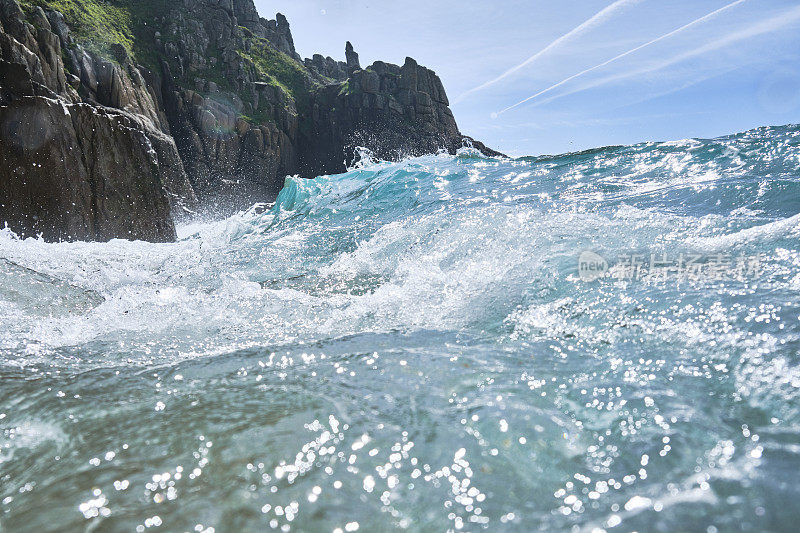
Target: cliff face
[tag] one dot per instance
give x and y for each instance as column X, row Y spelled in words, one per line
column 116, row 115
column 72, row 170
column 395, row 111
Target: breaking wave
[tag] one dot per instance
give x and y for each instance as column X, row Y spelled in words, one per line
column 411, row 346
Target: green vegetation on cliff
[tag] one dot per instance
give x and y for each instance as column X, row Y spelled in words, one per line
column 95, row 24
column 106, row 27
column 281, row 71
column 278, row 69
column 103, row 25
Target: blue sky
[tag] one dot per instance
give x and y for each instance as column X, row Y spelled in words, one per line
column 632, row 70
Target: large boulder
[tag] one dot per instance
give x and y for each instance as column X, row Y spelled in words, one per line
column 81, row 172
column 72, row 168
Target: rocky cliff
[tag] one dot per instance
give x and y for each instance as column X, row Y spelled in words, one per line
column 71, row 167
column 118, row 115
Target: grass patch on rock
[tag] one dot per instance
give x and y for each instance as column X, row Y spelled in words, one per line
column 279, row 69
column 103, row 25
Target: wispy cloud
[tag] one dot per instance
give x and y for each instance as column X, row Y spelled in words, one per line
column 690, row 83
column 584, row 122
column 596, row 20
column 683, row 28
column 767, row 26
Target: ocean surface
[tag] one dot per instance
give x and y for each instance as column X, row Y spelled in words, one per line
column 605, row 340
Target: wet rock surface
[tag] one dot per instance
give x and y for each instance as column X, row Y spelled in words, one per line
column 74, row 169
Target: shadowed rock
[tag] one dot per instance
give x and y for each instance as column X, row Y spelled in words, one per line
column 351, row 57
column 73, row 169
column 80, row 172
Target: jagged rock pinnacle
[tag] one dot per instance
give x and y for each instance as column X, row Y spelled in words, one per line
column 352, row 57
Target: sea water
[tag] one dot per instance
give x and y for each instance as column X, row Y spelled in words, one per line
column 419, row 346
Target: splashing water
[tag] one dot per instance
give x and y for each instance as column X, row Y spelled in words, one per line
column 410, row 346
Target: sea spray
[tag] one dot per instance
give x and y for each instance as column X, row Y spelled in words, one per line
column 411, row 346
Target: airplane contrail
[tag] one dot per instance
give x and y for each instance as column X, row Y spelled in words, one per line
column 694, row 81
column 629, row 52
column 598, row 18
column 766, row 26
